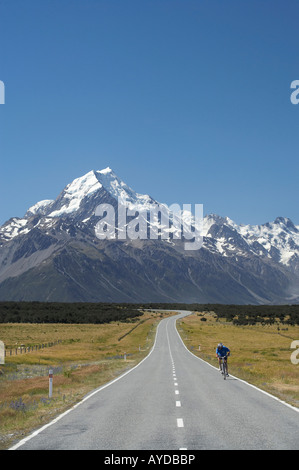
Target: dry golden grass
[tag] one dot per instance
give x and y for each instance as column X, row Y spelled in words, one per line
column 260, row 354
column 87, row 357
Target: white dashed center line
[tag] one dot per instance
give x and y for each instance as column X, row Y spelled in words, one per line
column 180, row 422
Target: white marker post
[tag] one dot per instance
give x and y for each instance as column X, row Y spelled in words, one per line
column 2, row 352
column 50, row 383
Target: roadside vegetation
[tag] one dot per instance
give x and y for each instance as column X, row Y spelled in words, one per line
column 260, row 348
column 61, row 312
column 88, row 345
column 86, row 312
column 86, row 357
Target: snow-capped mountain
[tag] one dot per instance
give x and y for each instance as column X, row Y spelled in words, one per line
column 78, row 201
column 278, row 240
column 52, row 253
column 78, row 198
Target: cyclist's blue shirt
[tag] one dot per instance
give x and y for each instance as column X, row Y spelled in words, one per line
column 223, row 351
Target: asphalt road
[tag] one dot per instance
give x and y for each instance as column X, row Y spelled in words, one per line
column 172, row 400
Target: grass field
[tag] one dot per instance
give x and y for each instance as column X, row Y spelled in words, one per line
column 261, row 355
column 90, row 355
column 87, row 356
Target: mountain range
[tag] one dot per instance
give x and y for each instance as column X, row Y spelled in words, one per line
column 53, row 254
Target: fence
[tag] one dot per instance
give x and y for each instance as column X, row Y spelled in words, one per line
column 26, row 349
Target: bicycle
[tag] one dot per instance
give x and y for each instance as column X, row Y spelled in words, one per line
column 223, row 366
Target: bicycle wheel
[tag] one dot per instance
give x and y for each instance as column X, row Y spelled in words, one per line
column 224, row 370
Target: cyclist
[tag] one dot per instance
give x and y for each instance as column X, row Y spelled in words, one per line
column 222, row 351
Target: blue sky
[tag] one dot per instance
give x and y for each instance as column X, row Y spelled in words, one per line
column 186, row 100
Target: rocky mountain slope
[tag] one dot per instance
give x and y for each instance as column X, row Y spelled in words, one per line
column 53, row 254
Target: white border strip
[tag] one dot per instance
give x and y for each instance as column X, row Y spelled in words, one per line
column 38, row 431
column 237, row 378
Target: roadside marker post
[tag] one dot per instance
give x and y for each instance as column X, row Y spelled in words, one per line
column 2, row 352
column 50, row 383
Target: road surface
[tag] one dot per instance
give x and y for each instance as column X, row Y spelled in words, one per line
column 172, row 400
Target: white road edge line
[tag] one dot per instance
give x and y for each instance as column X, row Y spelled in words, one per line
column 237, row 378
column 38, row 431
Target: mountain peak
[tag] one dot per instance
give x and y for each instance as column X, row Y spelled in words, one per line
column 87, row 186
column 105, row 171
column 284, row 221
column 54, row 250
column 120, row 190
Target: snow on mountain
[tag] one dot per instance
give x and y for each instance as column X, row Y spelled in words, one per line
column 209, row 221
column 39, row 208
column 71, row 201
column 72, row 196
column 278, row 240
column 75, row 192
column 120, row 190
column 12, row 228
column 53, row 252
